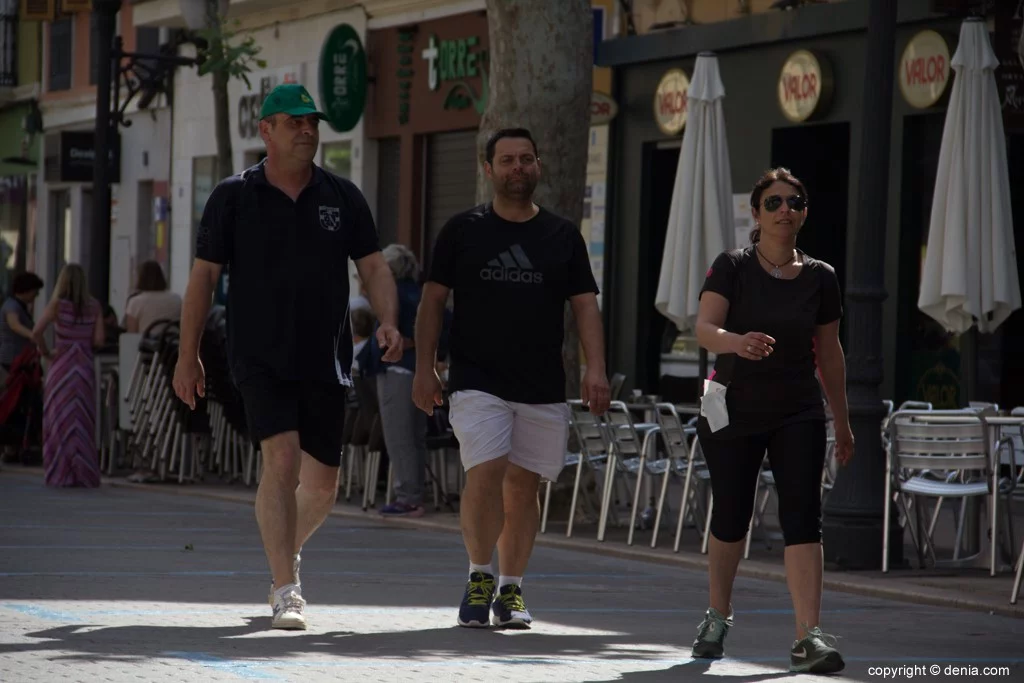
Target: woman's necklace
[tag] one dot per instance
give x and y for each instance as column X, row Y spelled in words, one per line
column 776, row 271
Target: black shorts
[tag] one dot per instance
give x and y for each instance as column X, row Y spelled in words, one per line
column 316, row 410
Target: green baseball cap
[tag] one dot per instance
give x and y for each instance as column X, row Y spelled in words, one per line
column 291, row 99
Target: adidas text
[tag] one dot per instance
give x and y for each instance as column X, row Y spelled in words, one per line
column 512, row 275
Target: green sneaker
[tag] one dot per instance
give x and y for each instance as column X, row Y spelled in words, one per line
column 710, row 642
column 816, row 654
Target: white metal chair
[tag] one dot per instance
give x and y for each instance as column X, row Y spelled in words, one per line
column 627, row 455
column 592, row 440
column 941, row 460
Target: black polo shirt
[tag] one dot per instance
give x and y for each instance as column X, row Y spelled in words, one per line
column 288, row 292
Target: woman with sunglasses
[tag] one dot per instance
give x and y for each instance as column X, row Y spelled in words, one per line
column 770, row 313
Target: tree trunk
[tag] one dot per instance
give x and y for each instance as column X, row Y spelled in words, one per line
column 220, row 77
column 222, row 124
column 541, row 78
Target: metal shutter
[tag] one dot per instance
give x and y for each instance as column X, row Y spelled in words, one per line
column 388, row 179
column 451, row 182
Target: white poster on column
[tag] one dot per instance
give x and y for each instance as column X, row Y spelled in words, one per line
column 743, row 221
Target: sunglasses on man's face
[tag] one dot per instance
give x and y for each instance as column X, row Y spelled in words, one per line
column 795, row 202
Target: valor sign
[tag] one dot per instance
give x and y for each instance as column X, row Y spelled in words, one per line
column 671, row 100
column 924, row 69
column 805, row 85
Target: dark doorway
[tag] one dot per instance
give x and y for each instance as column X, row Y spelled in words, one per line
column 660, row 162
column 819, row 155
column 927, row 357
column 1012, row 389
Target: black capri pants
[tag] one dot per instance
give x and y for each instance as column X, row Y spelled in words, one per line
column 796, row 453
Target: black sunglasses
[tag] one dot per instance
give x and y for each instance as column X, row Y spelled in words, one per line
column 795, row 201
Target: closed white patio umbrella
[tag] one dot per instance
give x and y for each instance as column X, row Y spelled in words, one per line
column 970, row 267
column 700, row 224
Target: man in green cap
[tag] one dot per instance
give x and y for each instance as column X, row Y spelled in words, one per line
column 287, row 228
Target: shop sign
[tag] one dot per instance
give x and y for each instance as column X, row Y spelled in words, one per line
column 78, row 155
column 602, row 109
column 450, row 63
column 671, row 101
column 924, row 69
column 249, row 105
column 805, row 86
column 343, row 78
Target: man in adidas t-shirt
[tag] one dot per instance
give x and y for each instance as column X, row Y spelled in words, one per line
column 512, row 265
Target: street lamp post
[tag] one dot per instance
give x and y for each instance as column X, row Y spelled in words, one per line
column 99, row 239
column 854, row 511
column 145, row 74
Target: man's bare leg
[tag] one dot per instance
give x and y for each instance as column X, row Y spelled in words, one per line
column 522, row 520
column 314, row 498
column 275, row 503
column 483, row 517
column 483, row 514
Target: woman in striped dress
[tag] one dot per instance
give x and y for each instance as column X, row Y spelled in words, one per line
column 70, row 457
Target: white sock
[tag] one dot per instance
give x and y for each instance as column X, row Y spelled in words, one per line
column 288, row 586
column 509, row 580
column 482, row 568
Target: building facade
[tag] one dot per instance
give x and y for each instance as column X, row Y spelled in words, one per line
column 794, row 85
column 139, row 160
column 20, row 129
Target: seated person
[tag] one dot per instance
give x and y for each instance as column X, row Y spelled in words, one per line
column 152, row 301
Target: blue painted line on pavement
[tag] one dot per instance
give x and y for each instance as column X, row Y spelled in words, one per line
column 89, row 614
column 242, row 669
column 119, row 529
column 231, row 572
column 217, row 549
column 246, row 668
column 42, row 612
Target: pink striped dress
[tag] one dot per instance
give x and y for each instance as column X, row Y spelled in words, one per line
column 70, row 457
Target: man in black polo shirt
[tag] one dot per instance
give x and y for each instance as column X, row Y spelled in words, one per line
column 287, row 228
column 512, row 266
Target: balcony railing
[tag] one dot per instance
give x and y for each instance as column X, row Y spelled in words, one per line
column 8, row 43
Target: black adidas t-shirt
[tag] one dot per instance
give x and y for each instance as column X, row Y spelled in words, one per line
column 782, row 388
column 510, row 282
column 288, row 291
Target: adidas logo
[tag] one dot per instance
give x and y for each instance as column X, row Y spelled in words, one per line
column 511, row 266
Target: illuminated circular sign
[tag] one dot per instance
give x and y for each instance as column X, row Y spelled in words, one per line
column 924, row 69
column 670, row 101
column 805, row 86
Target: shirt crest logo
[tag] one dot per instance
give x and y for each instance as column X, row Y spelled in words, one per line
column 330, row 218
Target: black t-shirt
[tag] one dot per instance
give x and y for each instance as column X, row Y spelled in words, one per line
column 510, row 282
column 782, row 388
column 288, row 296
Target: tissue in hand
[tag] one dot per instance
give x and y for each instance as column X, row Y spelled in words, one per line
column 712, row 405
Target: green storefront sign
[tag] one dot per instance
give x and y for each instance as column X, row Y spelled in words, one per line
column 343, row 78
column 452, row 62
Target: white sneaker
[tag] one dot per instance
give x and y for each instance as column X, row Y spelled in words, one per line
column 288, row 606
column 295, row 570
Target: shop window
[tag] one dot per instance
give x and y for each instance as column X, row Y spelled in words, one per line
column 338, row 158
column 61, row 47
column 147, row 42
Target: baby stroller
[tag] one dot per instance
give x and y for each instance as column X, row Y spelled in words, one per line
column 21, row 409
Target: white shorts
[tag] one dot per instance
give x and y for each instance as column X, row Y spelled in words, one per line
column 532, row 435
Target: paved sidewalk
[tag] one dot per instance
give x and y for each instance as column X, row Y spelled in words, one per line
column 971, row 589
column 122, row 584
